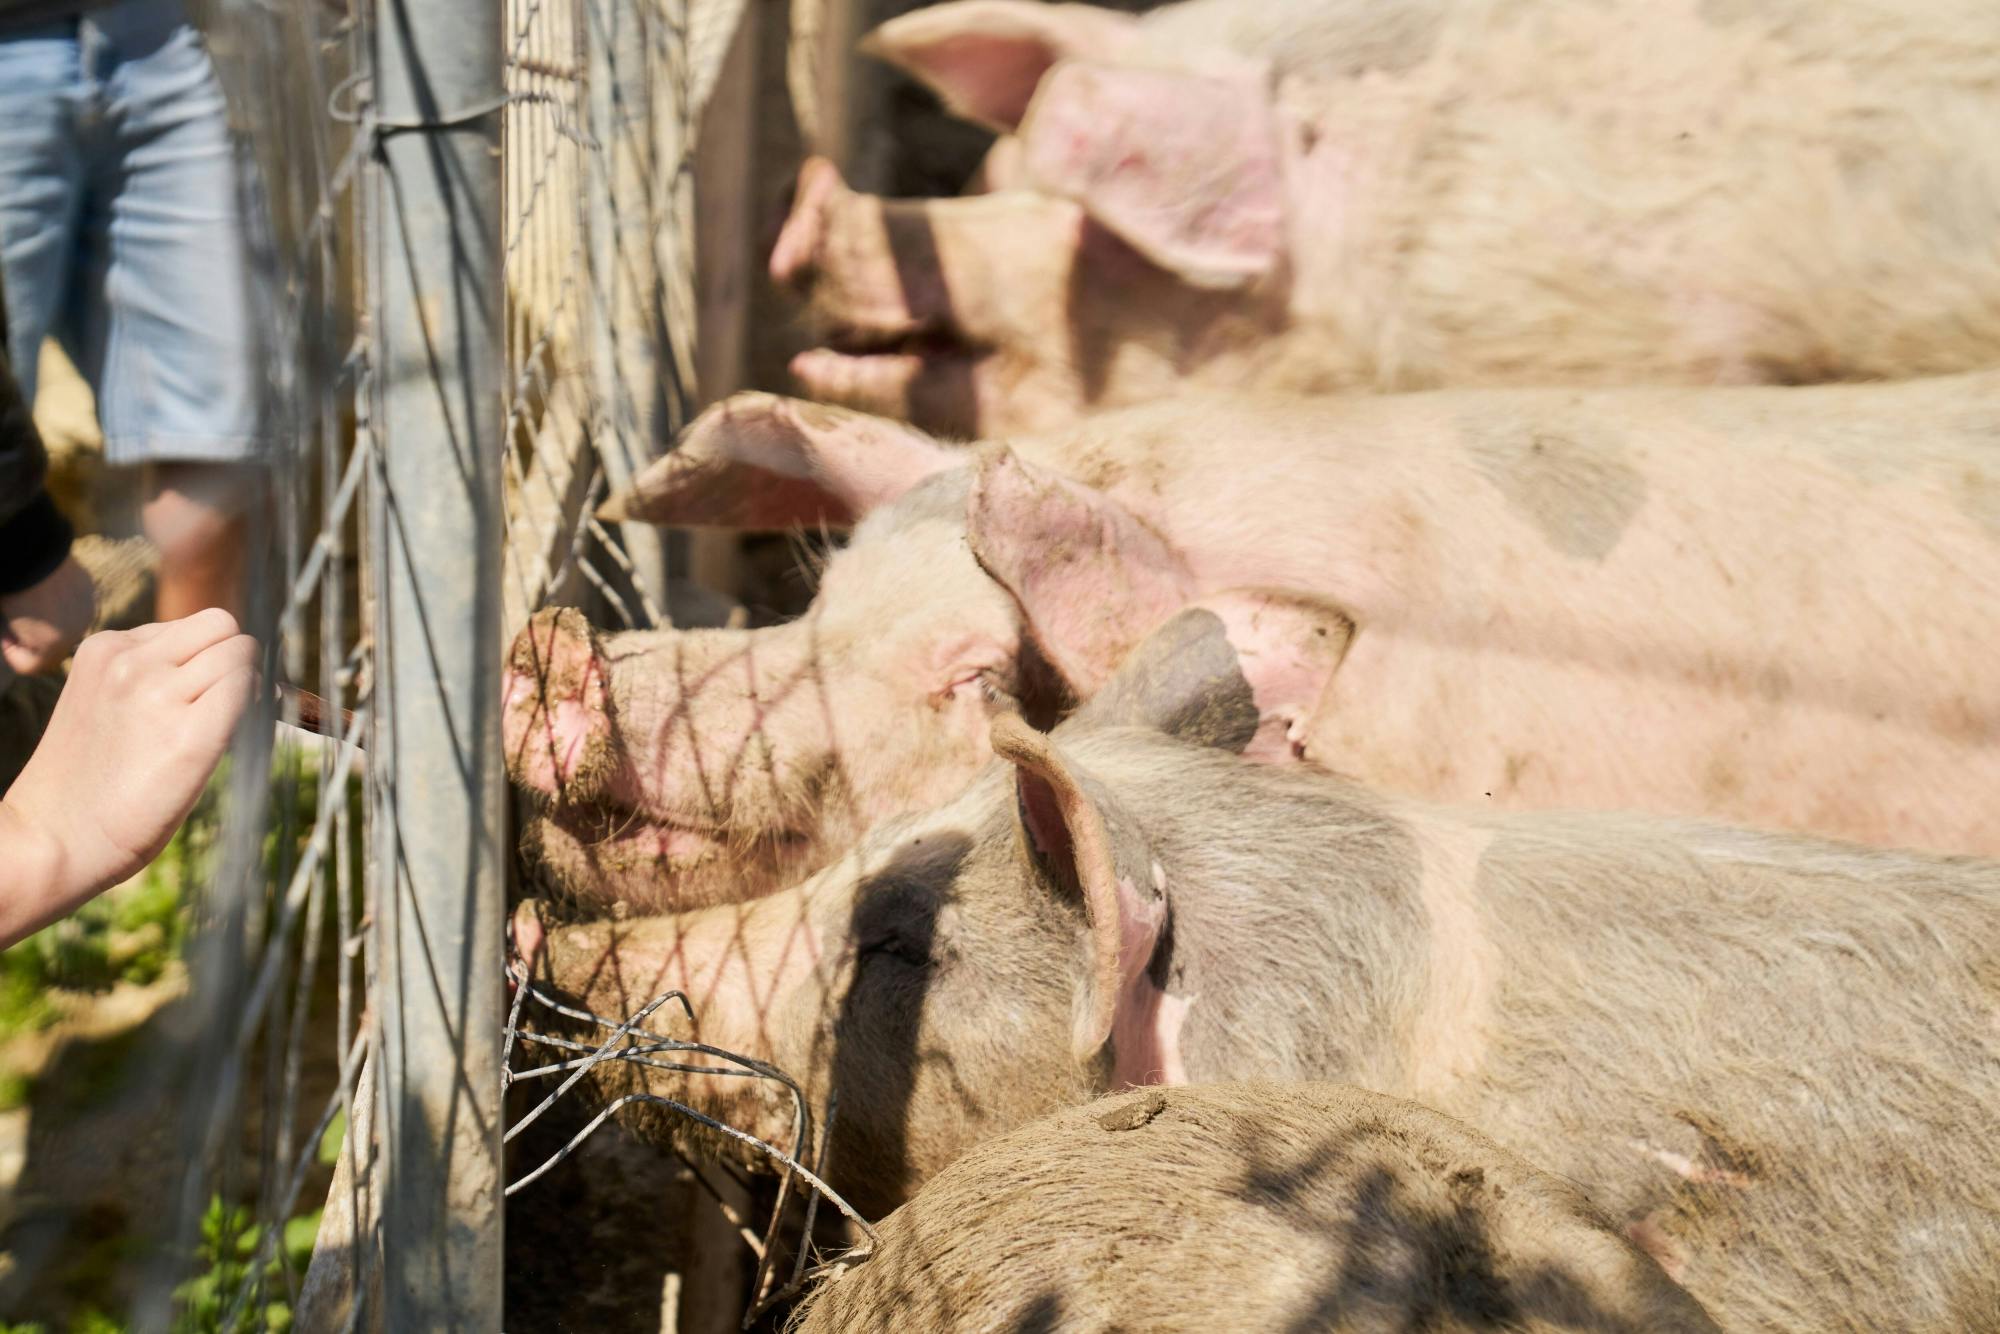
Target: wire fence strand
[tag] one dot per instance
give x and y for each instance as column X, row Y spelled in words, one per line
column 265, row 1068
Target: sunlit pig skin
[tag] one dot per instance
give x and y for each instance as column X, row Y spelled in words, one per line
column 1769, row 606
column 1767, row 1059
column 1290, row 1206
column 1334, row 197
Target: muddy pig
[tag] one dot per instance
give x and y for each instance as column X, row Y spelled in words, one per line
column 1253, row 1207
column 1775, row 1062
column 1770, row 606
column 1334, row 196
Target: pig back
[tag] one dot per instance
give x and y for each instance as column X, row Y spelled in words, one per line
column 1250, row 1206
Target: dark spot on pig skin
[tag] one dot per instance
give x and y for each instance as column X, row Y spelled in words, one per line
column 1044, row 1315
column 1723, row 13
column 1723, row 781
column 1186, row 681
column 1131, row 1115
column 1579, row 496
column 1774, row 683
column 1732, row 1161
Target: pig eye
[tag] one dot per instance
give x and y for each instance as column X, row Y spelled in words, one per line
column 892, row 945
column 986, row 683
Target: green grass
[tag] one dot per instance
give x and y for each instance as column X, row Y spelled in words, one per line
column 230, row 1277
column 127, row 934
column 133, row 934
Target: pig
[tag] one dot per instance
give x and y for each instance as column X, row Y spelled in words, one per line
column 1773, row 1061
column 1772, row 606
column 1323, row 197
column 1249, row 1206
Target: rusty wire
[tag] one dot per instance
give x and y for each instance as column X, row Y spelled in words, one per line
column 642, row 1047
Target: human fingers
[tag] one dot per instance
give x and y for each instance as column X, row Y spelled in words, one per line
column 20, row 659
column 213, row 717
column 193, row 678
column 178, row 641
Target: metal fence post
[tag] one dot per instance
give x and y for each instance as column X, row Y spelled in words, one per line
column 435, row 758
column 624, row 210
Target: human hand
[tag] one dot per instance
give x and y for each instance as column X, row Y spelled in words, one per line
column 143, row 720
column 40, row 625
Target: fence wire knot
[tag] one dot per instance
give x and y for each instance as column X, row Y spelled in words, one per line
column 629, row 1041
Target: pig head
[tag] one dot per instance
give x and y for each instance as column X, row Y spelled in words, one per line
column 681, row 768
column 1337, row 200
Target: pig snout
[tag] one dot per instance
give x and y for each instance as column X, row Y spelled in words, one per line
column 677, row 768
column 751, row 975
column 868, row 266
column 930, row 310
column 526, row 935
column 797, row 249
column 554, row 720
column 868, row 292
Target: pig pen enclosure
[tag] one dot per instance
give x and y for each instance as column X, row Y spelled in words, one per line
column 511, row 246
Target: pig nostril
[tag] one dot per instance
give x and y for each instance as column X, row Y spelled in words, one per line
column 524, row 930
column 792, row 256
column 797, row 248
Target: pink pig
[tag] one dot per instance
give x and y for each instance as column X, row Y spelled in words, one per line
column 1772, row 1062
column 1333, row 196
column 1772, row 606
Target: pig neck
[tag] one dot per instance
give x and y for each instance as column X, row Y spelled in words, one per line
column 1717, row 1033
column 1320, row 930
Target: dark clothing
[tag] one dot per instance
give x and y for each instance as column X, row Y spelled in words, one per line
column 22, row 13
column 34, row 536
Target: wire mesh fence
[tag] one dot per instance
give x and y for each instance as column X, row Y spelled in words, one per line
column 266, row 1081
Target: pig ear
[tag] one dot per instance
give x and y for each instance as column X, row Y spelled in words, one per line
column 1091, row 577
column 1093, row 850
column 983, row 58
column 1242, row 671
column 1183, row 168
column 759, row 461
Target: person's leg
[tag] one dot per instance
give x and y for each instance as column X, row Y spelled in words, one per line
column 175, row 353
column 198, row 517
column 45, row 96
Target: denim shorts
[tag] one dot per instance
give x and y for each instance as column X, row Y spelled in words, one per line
column 123, row 230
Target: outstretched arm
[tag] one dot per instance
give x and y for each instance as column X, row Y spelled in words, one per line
column 142, row 722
